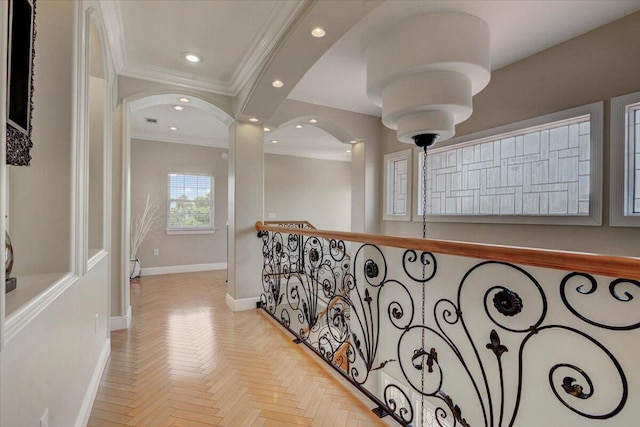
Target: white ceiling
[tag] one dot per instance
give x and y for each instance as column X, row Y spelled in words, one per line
column 235, row 38
column 518, row 29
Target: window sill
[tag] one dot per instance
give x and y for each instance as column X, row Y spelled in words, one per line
column 208, row 231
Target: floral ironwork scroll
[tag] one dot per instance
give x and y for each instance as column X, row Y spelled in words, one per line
column 487, row 337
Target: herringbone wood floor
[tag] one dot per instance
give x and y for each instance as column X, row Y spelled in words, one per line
column 189, row 361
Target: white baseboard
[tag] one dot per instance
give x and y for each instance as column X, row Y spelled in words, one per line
column 153, row 271
column 120, row 322
column 241, row 304
column 87, row 403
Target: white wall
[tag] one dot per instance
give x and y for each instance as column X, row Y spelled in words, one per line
column 318, row 191
column 594, row 67
column 50, row 364
column 150, row 163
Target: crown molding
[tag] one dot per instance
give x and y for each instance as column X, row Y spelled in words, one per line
column 282, row 17
column 184, row 139
column 115, row 32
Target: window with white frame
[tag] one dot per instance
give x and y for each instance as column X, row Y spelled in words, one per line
column 190, row 203
column 625, row 160
column 397, row 188
column 544, row 170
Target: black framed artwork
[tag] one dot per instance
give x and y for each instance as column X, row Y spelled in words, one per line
column 21, row 53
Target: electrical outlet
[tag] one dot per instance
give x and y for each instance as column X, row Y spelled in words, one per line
column 156, row 251
column 97, row 321
column 44, row 420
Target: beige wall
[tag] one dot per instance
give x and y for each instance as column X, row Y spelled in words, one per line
column 117, row 216
column 39, row 195
column 150, row 163
column 594, row 67
column 318, row 191
column 97, row 94
column 365, row 176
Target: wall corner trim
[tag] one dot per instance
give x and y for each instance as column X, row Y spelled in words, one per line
column 241, row 304
column 120, row 322
column 92, row 390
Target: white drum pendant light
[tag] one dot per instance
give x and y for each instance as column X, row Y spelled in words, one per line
column 424, row 72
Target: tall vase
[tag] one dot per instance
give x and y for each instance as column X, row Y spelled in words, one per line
column 135, row 269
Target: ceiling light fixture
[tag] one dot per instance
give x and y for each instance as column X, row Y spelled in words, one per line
column 277, row 83
column 178, row 107
column 318, row 32
column 192, row 57
column 253, row 120
column 425, row 90
column 353, row 141
column 273, row 141
column 313, row 121
column 298, row 126
column 184, row 99
column 266, row 129
column 348, row 151
column 173, row 128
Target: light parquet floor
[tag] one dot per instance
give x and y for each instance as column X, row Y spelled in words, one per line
column 189, row 361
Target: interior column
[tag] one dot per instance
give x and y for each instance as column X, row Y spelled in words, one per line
column 246, row 206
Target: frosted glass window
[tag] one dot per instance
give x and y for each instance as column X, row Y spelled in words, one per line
column 624, row 156
column 399, row 182
column 190, row 202
column 397, row 197
column 540, row 171
column 633, row 115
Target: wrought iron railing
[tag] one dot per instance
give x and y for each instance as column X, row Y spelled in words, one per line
column 441, row 333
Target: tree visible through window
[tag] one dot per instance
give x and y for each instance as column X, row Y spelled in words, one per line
column 190, row 202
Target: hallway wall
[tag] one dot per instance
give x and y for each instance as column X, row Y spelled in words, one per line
column 150, row 163
column 318, row 191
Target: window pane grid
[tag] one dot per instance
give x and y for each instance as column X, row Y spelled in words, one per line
column 399, row 193
column 634, row 146
column 190, row 202
column 534, row 172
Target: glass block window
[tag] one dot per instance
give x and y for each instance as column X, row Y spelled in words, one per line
column 190, row 202
column 543, row 167
column 397, row 186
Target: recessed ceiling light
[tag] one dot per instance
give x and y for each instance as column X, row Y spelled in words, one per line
column 173, row 128
column 298, row 126
column 178, row 107
column 353, row 141
column 184, row 99
column 253, row 119
column 273, row 141
column 313, row 121
column 192, row 57
column 318, row 32
column 277, row 83
column 266, row 129
column 348, row 151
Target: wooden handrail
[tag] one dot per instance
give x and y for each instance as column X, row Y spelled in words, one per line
column 606, row 265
